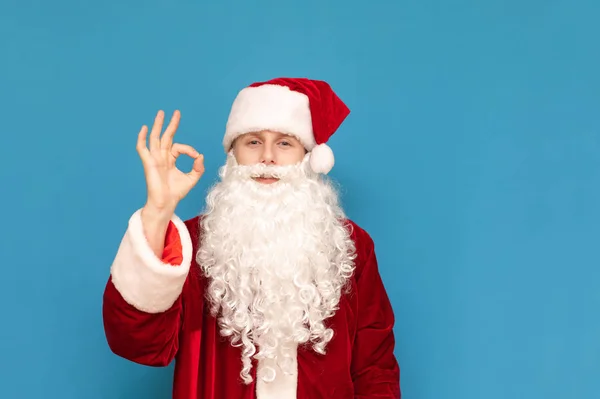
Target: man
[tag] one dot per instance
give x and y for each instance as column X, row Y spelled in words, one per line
column 272, row 292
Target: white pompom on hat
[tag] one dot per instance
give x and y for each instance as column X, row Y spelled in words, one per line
column 304, row 108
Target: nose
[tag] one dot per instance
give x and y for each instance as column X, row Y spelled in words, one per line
column 268, row 156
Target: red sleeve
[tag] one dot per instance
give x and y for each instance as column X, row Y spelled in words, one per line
column 146, row 337
column 375, row 370
column 172, row 252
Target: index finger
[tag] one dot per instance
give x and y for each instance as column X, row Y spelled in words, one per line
column 178, row 149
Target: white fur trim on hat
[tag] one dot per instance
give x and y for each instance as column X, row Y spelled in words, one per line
column 270, row 107
column 322, row 159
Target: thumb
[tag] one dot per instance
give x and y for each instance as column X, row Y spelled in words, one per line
column 197, row 168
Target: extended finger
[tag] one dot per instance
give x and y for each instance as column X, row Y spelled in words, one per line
column 141, row 147
column 167, row 138
column 155, row 133
column 178, row 149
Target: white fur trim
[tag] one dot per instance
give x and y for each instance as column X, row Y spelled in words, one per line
column 143, row 280
column 284, row 386
column 270, row 107
column 322, row 159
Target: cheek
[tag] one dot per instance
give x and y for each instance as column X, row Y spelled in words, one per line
column 291, row 156
column 245, row 156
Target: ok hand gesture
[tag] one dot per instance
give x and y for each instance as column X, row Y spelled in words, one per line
column 166, row 184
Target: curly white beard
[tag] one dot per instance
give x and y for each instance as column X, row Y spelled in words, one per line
column 277, row 258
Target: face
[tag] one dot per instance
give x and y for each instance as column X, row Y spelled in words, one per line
column 268, row 147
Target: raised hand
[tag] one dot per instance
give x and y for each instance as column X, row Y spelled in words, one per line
column 166, row 185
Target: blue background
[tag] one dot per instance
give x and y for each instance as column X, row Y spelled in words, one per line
column 472, row 156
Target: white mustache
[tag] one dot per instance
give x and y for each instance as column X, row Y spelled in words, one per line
column 281, row 172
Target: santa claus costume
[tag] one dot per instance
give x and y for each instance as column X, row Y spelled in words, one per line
column 272, row 292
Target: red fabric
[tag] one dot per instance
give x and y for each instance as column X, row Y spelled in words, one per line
column 173, row 251
column 327, row 110
column 359, row 364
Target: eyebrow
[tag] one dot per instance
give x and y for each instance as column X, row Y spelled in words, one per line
column 261, row 136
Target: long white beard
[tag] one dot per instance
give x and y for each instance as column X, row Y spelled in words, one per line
column 277, row 258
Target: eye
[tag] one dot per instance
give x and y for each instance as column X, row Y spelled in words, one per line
column 253, row 142
column 285, row 143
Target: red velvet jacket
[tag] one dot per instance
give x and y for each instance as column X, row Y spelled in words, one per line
column 155, row 313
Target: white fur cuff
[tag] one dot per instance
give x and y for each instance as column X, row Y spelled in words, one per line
column 143, row 280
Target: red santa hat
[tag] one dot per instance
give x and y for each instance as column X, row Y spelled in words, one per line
column 304, row 108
